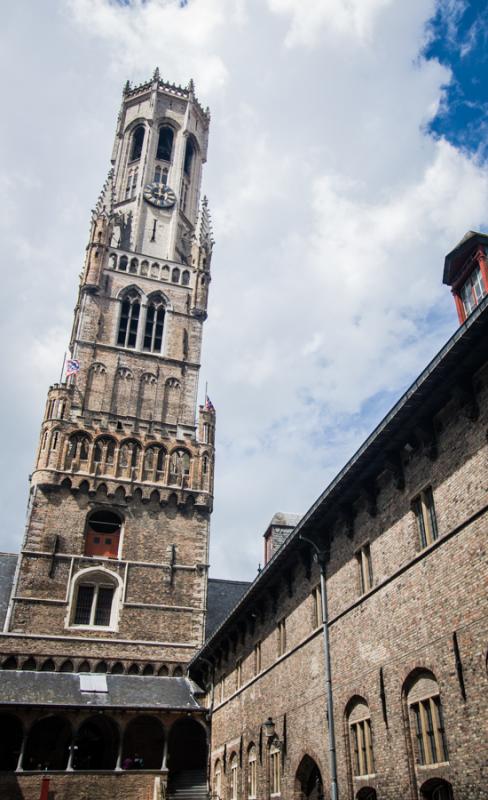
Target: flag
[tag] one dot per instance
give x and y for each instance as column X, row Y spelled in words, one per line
column 208, row 404
column 72, row 367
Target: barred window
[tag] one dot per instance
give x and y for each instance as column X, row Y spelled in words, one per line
column 94, row 601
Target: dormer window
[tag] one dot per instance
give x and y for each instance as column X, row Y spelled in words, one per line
column 472, row 291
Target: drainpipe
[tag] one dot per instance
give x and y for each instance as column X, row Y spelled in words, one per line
column 321, row 558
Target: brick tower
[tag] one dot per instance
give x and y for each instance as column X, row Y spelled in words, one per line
column 112, row 574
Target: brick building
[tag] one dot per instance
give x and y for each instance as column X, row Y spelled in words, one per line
column 393, row 556
column 354, row 666
column 109, row 594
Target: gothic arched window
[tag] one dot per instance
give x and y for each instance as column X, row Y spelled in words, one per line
column 165, row 143
column 129, row 319
column 94, row 599
column 185, row 278
column 179, row 469
column 361, row 743
column 252, row 777
column 78, row 449
column 189, row 154
column 154, row 463
column 153, row 333
column 426, row 718
column 137, row 142
column 175, row 275
column 104, row 452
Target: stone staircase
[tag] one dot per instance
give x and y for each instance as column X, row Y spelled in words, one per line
column 188, row 784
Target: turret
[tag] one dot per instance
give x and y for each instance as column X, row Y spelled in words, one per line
column 466, row 271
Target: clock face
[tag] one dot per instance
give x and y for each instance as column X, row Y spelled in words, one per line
column 160, row 195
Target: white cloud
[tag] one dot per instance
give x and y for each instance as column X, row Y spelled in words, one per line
column 309, row 21
column 332, row 210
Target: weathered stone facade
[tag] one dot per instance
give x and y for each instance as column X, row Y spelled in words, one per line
column 406, row 625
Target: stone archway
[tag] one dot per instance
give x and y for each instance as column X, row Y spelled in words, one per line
column 47, row 745
column 366, row 793
column 436, row 789
column 308, row 780
column 11, row 736
column 96, row 744
column 143, row 743
column 187, row 756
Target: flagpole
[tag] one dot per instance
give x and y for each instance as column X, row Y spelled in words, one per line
column 62, row 368
column 206, row 395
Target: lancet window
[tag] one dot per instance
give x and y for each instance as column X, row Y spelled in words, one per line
column 129, row 319
column 165, row 143
column 137, row 143
column 153, row 333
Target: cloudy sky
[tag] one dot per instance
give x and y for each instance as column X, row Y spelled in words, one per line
column 347, row 156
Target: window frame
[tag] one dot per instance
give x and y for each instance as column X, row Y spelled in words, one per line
column 274, row 770
column 252, row 773
column 429, row 729
column 423, row 507
column 98, row 578
column 365, row 568
column 281, row 637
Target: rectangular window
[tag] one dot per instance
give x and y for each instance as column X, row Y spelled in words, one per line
column 257, row 658
column 424, row 510
column 281, row 630
column 252, row 781
column 84, row 605
column 222, row 688
column 472, row 291
column 233, row 782
column 103, row 607
column 238, row 674
column 429, row 729
column 363, row 556
column 362, row 747
column 275, row 772
column 317, row 606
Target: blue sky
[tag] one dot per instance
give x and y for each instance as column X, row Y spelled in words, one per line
column 347, row 155
column 459, row 40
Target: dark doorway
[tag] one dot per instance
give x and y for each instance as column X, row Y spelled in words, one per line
column 10, row 741
column 436, row 789
column 187, row 746
column 96, row 744
column 48, row 744
column 143, row 743
column 366, row 793
column 308, row 781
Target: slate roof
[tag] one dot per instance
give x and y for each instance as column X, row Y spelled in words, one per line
column 123, row 691
column 222, row 596
column 8, row 562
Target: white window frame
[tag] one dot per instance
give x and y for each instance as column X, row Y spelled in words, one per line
column 97, row 577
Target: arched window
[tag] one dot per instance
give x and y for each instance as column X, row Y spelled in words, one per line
column 361, row 743
column 185, row 278
column 67, row 666
column 129, row 456
column 175, row 275
column 252, row 775
column 153, row 333
column 133, row 266
column 234, row 781
column 274, row 769
column 179, row 469
column 137, row 142
column 217, row 781
column 78, row 449
column 123, row 263
column 154, row 463
column 426, row 719
column 165, row 143
column 104, row 454
column 129, row 319
column 103, row 534
column 95, row 595
column 189, row 153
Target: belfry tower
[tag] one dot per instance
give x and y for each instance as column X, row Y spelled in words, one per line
column 112, row 575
